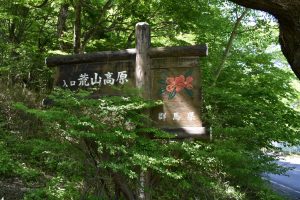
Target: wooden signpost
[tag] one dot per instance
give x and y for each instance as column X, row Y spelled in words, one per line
column 170, row 74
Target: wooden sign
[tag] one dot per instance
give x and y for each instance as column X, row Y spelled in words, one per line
column 170, row 74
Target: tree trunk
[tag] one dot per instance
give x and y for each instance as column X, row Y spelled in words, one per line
column 61, row 24
column 229, row 45
column 287, row 12
column 77, row 27
column 123, row 187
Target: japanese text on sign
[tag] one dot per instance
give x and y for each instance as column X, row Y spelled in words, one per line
column 85, row 80
column 177, row 116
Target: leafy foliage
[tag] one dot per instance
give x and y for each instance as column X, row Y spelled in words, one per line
column 108, row 135
column 82, row 147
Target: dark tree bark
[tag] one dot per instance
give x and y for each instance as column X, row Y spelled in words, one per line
column 77, row 27
column 17, row 25
column 61, row 24
column 62, row 18
column 287, row 12
column 11, row 30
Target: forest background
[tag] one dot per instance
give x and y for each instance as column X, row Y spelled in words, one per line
column 79, row 149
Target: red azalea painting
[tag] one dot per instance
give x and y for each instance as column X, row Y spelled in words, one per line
column 175, row 84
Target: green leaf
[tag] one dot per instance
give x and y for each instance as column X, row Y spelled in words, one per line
column 188, row 92
column 172, row 94
column 162, row 81
column 162, row 90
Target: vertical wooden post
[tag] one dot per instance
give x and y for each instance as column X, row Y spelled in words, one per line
column 142, row 67
column 143, row 83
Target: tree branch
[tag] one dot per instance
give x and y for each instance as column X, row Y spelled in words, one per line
column 287, row 13
column 229, row 45
column 270, row 6
column 121, row 184
column 89, row 34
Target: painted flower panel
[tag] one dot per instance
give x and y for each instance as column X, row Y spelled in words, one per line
column 176, row 84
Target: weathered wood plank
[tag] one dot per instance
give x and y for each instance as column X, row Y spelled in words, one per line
column 188, row 132
column 179, row 51
column 142, row 59
column 106, row 56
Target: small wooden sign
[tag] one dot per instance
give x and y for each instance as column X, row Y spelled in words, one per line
column 176, row 81
column 170, row 74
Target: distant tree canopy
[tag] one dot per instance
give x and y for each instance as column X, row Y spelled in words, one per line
column 287, row 12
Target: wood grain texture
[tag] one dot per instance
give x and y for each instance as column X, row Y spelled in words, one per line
column 142, row 60
column 181, row 103
column 106, row 56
